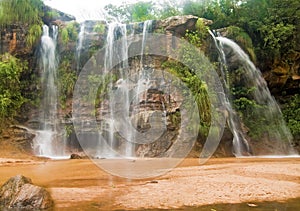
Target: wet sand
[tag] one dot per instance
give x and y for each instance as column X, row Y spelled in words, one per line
column 82, row 185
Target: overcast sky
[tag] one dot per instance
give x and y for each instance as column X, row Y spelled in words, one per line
column 83, row 9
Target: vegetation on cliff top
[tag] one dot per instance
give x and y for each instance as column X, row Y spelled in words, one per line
column 26, row 12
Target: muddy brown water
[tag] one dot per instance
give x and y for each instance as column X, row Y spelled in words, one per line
column 82, row 185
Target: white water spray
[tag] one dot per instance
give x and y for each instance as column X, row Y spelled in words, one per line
column 268, row 111
column 49, row 142
column 80, row 44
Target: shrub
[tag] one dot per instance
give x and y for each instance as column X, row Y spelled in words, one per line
column 11, row 98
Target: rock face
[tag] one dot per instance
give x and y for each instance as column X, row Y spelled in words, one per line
column 75, row 156
column 19, row 136
column 51, row 14
column 13, row 40
column 285, row 76
column 19, row 193
column 179, row 24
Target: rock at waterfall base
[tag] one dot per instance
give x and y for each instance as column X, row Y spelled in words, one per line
column 75, row 156
column 19, row 193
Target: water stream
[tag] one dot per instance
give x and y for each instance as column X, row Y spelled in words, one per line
column 49, row 141
column 122, row 88
column 240, row 144
column 239, row 74
column 80, row 44
column 116, row 31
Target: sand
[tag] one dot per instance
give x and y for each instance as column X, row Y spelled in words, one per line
column 82, row 185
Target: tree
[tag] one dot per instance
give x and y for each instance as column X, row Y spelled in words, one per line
column 222, row 12
column 273, row 28
column 136, row 12
column 168, row 8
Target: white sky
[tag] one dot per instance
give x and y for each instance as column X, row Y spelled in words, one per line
column 83, row 9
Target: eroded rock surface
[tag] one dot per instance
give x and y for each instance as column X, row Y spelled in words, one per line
column 19, row 193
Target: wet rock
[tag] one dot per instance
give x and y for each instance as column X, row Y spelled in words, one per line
column 75, row 156
column 13, row 40
column 23, row 137
column 20, row 137
column 19, row 193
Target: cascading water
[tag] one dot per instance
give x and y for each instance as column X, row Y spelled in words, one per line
column 80, row 44
column 126, row 90
column 265, row 113
column 240, row 144
column 116, row 31
column 146, row 29
column 143, row 82
column 47, row 142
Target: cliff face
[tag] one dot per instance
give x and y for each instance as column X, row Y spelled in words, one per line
column 280, row 76
column 283, row 77
column 13, row 40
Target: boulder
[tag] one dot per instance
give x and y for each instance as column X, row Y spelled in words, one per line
column 75, row 156
column 20, row 137
column 52, row 15
column 179, row 24
column 19, row 193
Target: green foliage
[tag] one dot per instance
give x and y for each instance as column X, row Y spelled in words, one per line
column 136, row 12
column 72, row 30
column 51, row 15
column 273, row 28
column 248, row 111
column 20, row 11
column 191, row 79
column 202, row 29
column 101, row 84
column 278, row 38
column 142, row 11
column 272, row 25
column 11, row 98
column 99, row 28
column 64, row 35
column 33, row 35
column 193, row 38
column 291, row 112
column 67, row 79
column 167, row 8
column 196, row 8
column 243, row 39
column 69, row 32
column 69, row 129
column 221, row 12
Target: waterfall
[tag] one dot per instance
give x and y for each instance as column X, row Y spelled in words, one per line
column 240, row 144
column 116, row 31
column 80, row 42
column 48, row 140
column 265, row 113
column 146, row 29
column 120, row 122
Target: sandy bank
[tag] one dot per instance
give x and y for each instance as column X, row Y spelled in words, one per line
column 81, row 185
